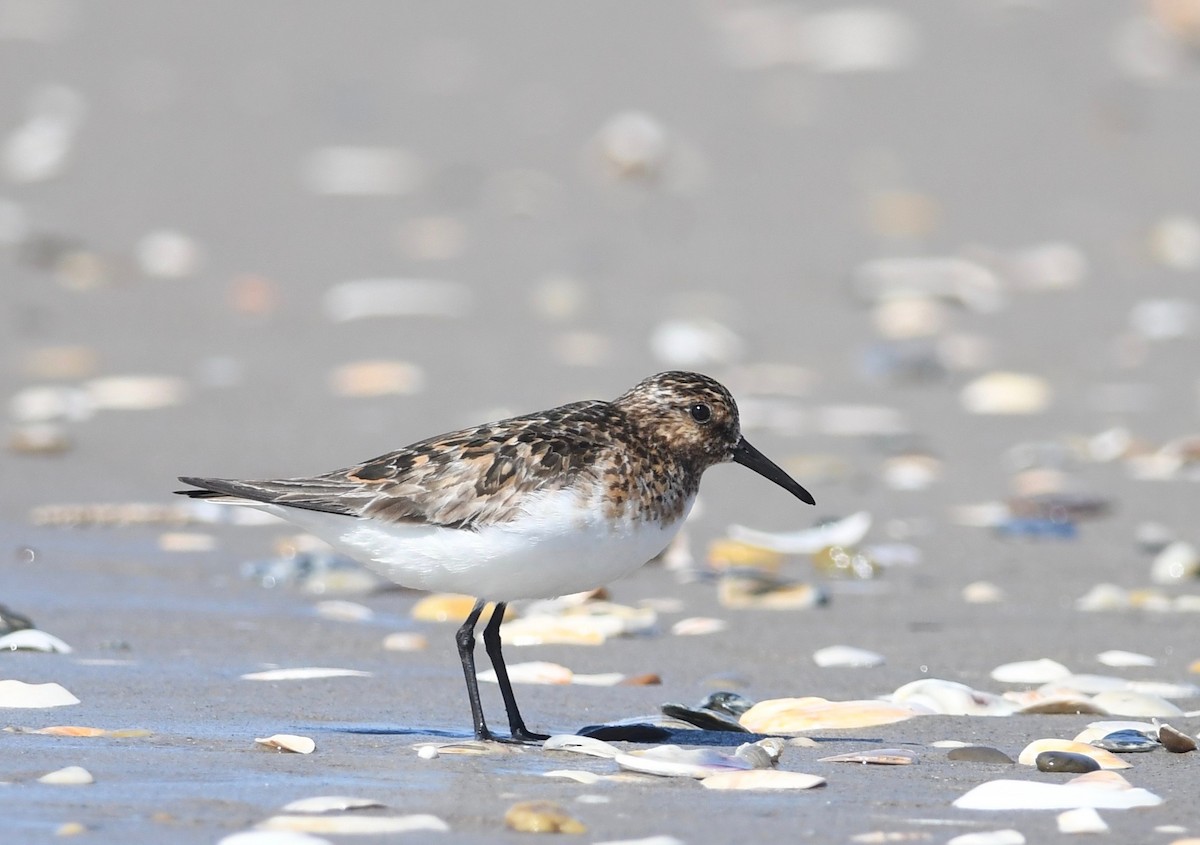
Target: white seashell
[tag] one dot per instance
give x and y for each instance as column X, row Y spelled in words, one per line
column 289, row 742
column 633, row 143
column 428, row 752
column 344, row 611
column 1106, row 759
column 1008, row 836
column 1178, row 562
column 31, row 639
column 48, row 404
column 878, row 757
column 577, row 775
column 69, row 776
column 357, row 825
column 1103, row 597
column 364, row 298
column 361, row 171
column 761, row 779
column 857, row 39
column 847, row 656
column 673, row 761
column 846, row 532
column 983, row 592
column 167, row 254
column 796, row 715
column 1175, row 241
column 1129, row 703
column 1089, row 684
column 405, row 641
column 136, row 393
column 1030, row 672
column 582, row 745
column 272, row 837
column 1039, row 795
column 304, row 674
column 695, row 343
column 693, row 626
column 951, row 698
column 21, row 694
column 1119, row 659
column 326, row 803
column 1163, row 689
column 1006, row 393
column 533, row 672
column 1081, row 820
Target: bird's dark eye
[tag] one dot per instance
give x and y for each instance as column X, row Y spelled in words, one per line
column 700, row 412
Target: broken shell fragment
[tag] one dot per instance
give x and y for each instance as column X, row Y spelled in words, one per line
column 799, row 715
column 847, row 657
column 289, row 742
column 21, row 694
column 1107, row 760
column 877, row 757
column 541, row 817
column 761, row 779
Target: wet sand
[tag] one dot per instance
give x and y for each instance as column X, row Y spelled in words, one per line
column 1005, row 126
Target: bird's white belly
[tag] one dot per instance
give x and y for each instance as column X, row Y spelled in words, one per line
column 558, row 547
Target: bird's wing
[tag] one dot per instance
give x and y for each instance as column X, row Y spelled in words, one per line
column 462, row 479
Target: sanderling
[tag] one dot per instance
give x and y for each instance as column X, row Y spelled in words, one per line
column 535, row 506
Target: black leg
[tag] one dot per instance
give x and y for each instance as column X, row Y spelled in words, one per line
column 491, row 642
column 465, row 637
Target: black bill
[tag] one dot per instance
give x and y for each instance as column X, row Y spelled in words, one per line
column 748, row 456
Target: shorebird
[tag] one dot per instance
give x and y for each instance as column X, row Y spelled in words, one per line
column 535, row 506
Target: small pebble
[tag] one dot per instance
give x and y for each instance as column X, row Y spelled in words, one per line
column 1174, row 740
column 1065, row 761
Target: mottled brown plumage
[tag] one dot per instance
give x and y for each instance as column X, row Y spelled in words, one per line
column 644, row 447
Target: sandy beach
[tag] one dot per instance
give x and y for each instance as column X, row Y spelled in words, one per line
column 945, row 255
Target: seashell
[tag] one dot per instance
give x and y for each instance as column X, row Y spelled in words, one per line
column 878, row 757
column 448, row 607
column 695, row 343
column 39, row 439
column 1104, row 597
column 729, row 703
column 1007, row 836
column 703, row 718
column 1097, row 730
column 31, row 639
column 1054, row 265
column 1075, row 684
column 533, row 672
column 673, row 761
column 405, row 641
column 463, row 748
column 186, row 541
column 289, row 742
column 354, row 825
column 1036, row 702
column 799, row 715
column 428, row 752
column 1175, row 240
column 1084, row 791
column 365, row 298
column 361, row 171
column 328, row 803
column 1179, row 561
column 1081, row 820
column 911, row 472
column 693, row 626
column 846, row 532
column 1130, row 703
column 304, row 674
column 592, row 623
column 1007, row 394
column 1126, row 742
column 909, row 317
column 136, row 393
column 951, row 698
column 983, row 592
column 576, row 775
column 1117, row 659
column 167, row 254
column 857, row 39
column 21, row 694
column 343, row 611
column 1175, row 741
column 50, row 404
column 847, row 656
column 742, row 592
column 1028, row 756
column 541, row 817
column 1030, row 672
column 730, row 554
column 581, row 745
column 634, row 144
column 761, row 779
column 362, row 379
column 69, row 776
